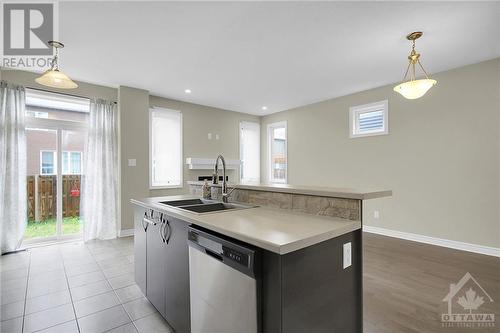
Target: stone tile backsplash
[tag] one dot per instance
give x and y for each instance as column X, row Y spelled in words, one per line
column 335, row 207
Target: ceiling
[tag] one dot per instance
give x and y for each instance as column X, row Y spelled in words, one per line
column 241, row 56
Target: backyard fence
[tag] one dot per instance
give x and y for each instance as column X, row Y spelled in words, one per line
column 42, row 198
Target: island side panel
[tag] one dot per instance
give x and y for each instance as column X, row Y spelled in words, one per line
column 271, row 295
column 318, row 295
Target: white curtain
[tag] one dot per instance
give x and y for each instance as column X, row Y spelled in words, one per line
column 13, row 204
column 99, row 205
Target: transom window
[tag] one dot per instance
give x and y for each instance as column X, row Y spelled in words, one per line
column 368, row 119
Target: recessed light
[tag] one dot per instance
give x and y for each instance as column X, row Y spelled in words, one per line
column 187, row 91
column 264, row 108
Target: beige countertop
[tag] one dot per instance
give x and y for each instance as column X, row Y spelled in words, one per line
column 349, row 193
column 276, row 230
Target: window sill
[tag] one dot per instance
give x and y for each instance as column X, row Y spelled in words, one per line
column 165, row 187
column 363, row 135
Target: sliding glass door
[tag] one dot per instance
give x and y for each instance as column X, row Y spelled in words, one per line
column 56, row 135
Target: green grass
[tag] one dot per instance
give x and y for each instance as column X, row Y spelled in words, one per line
column 47, row 228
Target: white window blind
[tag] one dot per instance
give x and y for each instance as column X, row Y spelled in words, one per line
column 249, row 151
column 368, row 119
column 165, row 148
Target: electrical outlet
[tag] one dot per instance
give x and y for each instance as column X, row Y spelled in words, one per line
column 376, row 214
column 132, row 162
column 347, row 255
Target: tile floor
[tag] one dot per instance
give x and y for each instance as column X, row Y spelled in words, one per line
column 75, row 287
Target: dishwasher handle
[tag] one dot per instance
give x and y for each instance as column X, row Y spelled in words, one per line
column 214, row 255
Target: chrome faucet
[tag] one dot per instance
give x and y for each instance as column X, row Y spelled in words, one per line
column 225, row 194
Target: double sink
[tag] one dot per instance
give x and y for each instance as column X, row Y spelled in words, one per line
column 203, row 206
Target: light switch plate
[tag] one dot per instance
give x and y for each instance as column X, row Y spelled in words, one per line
column 132, row 162
column 209, row 136
column 217, row 137
column 376, row 214
column 347, row 255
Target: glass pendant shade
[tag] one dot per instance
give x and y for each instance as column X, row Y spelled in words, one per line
column 414, row 89
column 56, row 79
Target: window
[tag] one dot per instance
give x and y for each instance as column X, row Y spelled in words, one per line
column 72, row 162
column 165, row 148
column 48, row 164
column 277, row 145
column 55, row 106
column 368, row 119
column 249, row 152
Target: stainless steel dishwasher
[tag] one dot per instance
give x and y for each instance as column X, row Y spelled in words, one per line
column 224, row 284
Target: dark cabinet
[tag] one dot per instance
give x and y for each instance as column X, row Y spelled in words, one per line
column 162, row 265
column 156, row 264
column 140, row 229
column 177, row 276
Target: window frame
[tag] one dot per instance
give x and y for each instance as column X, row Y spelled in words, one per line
column 355, row 111
column 54, row 158
column 181, row 178
column 270, row 128
column 248, row 124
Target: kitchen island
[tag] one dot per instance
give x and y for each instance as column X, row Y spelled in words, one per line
column 304, row 281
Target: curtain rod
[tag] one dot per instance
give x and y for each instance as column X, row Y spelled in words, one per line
column 61, row 93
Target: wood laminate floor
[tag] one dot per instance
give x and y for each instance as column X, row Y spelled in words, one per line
column 405, row 283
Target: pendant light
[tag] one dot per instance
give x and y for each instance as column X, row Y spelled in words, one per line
column 53, row 77
column 413, row 88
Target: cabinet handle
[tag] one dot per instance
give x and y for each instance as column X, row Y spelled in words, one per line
column 160, row 231
column 167, row 236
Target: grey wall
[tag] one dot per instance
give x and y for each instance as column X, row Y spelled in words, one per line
column 441, row 156
column 133, row 109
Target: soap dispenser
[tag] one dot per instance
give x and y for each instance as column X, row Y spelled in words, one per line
column 206, row 191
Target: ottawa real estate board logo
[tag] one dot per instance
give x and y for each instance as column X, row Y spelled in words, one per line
column 465, row 301
column 26, row 30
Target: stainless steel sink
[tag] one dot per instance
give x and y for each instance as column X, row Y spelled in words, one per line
column 202, row 206
column 185, row 202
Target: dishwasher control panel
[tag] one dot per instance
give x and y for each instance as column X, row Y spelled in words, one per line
column 240, row 258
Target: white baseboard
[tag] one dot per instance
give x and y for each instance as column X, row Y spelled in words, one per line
column 126, row 233
column 490, row 251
